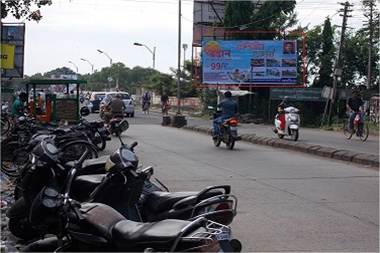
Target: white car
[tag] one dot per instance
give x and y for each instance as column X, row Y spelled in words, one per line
column 129, row 110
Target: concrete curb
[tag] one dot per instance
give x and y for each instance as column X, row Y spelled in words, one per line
column 338, row 154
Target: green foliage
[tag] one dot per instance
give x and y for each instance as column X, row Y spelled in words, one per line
column 238, row 13
column 314, row 42
column 162, row 84
column 265, row 16
column 274, row 15
column 326, row 56
column 23, row 9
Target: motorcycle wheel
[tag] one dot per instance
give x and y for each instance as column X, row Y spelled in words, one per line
column 74, row 150
column 9, row 169
column 5, row 126
column 230, row 144
column 217, row 142
column 364, row 133
column 21, row 228
column 295, row 135
column 281, row 136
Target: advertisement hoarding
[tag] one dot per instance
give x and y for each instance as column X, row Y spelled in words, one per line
column 13, row 35
column 206, row 11
column 250, row 62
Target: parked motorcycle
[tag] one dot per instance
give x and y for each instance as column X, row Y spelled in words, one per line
column 114, row 189
column 94, row 226
column 292, row 123
column 228, row 131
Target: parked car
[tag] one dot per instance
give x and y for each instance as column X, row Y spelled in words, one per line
column 128, row 102
column 95, row 99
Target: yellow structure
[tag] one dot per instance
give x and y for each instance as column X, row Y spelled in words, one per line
column 7, row 56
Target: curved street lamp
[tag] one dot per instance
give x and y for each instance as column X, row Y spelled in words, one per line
column 92, row 65
column 74, row 66
column 153, row 52
column 102, row 52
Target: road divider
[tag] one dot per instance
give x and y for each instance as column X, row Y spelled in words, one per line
column 369, row 160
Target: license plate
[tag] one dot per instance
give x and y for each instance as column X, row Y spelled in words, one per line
column 225, row 236
column 233, row 128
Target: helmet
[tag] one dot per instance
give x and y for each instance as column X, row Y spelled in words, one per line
column 228, row 94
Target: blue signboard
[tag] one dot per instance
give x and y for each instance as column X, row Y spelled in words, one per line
column 252, row 62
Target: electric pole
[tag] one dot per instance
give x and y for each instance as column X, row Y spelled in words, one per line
column 370, row 26
column 338, row 63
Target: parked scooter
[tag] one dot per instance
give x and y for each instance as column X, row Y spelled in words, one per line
column 228, row 131
column 95, row 226
column 116, row 188
column 292, row 123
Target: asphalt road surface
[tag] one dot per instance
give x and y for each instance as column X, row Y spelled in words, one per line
column 288, row 201
column 307, row 135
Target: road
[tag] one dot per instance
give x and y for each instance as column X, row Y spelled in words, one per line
column 307, row 136
column 288, row 201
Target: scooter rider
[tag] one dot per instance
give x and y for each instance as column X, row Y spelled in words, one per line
column 354, row 105
column 229, row 109
column 281, row 114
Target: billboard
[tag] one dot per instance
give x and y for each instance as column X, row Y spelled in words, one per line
column 250, row 62
column 12, row 48
column 206, row 11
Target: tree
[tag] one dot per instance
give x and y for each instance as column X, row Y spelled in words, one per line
column 273, row 16
column 187, row 87
column 23, row 9
column 238, row 13
column 326, row 56
column 372, row 30
column 265, row 16
column 314, row 42
column 162, row 84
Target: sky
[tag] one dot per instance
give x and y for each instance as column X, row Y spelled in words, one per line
column 74, row 29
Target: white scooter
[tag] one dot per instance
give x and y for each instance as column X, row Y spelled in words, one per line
column 292, row 123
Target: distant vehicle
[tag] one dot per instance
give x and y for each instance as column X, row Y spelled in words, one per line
column 95, row 99
column 128, row 102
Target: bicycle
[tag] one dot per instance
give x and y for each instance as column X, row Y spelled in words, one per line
column 360, row 128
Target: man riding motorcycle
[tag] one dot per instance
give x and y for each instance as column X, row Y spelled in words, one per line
column 229, row 109
column 114, row 109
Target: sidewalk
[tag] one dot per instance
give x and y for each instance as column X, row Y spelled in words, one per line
column 313, row 141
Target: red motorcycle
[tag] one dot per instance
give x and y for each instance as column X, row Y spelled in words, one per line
column 228, row 133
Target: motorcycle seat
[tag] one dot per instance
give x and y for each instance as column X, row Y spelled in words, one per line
column 158, row 201
column 91, row 166
column 84, row 185
column 161, row 235
column 105, row 222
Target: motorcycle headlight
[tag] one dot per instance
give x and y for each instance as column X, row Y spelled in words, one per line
column 293, row 117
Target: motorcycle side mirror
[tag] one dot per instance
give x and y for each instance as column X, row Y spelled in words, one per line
column 133, row 145
column 84, row 111
column 123, row 126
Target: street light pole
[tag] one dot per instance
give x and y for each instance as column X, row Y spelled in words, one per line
column 179, row 58
column 102, row 52
column 92, row 65
column 75, row 67
column 153, row 52
column 184, row 46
